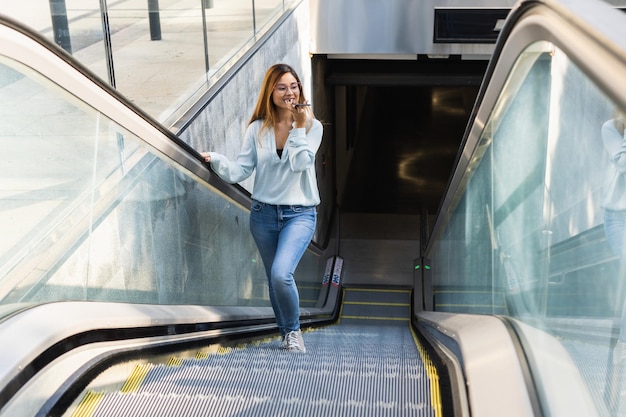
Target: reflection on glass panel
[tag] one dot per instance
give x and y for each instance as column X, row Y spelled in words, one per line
column 55, row 153
column 89, row 212
column 164, row 239
column 531, row 231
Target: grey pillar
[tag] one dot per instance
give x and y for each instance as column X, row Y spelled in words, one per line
column 60, row 25
column 154, row 19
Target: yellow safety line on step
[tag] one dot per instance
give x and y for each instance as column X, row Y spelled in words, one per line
column 88, row 404
column 174, row 361
column 223, row 350
column 369, row 303
column 433, row 376
column 376, row 318
column 202, row 355
column 135, row 379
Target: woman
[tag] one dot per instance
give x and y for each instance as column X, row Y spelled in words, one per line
column 280, row 143
column 614, row 202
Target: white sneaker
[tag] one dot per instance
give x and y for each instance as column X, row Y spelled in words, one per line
column 294, row 341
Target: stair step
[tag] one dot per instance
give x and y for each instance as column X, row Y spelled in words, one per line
column 375, row 305
column 347, row 370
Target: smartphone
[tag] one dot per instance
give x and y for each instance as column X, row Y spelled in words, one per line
column 302, row 104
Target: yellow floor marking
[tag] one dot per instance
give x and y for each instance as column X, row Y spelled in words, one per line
column 88, row 404
column 433, row 376
column 135, row 379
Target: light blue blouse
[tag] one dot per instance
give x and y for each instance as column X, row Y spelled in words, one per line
column 286, row 180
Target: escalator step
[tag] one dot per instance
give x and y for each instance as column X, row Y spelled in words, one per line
column 136, row 378
column 378, row 305
column 89, row 404
column 348, row 370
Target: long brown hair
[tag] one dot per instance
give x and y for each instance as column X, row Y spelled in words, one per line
column 265, row 108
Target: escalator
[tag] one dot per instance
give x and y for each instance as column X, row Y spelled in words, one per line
column 130, row 285
column 361, row 366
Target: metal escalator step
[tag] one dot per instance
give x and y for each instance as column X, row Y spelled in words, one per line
column 89, row 404
column 377, row 305
column 375, row 311
column 352, row 370
column 136, row 378
column 381, row 295
column 168, row 405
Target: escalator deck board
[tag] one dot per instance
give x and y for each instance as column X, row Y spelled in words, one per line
column 348, row 370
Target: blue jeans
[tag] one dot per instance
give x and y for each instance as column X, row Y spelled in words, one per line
column 615, row 229
column 282, row 235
